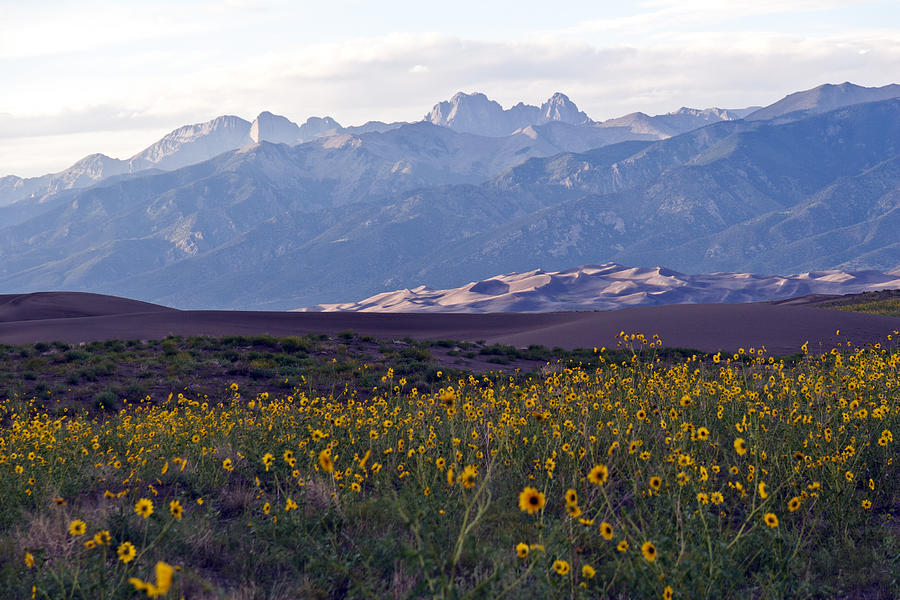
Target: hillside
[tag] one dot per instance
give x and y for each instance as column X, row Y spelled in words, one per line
column 346, row 216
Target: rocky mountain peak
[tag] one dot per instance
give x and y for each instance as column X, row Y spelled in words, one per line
column 193, row 143
column 826, row 97
column 560, row 108
column 472, row 113
column 476, row 113
column 268, row 127
column 315, row 127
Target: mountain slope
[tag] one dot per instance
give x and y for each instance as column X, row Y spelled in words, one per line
column 349, row 215
column 470, row 113
column 825, row 98
column 184, row 146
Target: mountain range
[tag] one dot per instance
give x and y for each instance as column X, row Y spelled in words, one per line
column 611, row 286
column 271, row 214
column 464, row 113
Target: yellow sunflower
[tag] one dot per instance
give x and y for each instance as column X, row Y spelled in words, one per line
column 77, row 527
column 126, row 552
column 531, row 500
column 598, row 475
column 267, row 460
column 144, row 507
column 522, row 549
column 325, row 461
column 561, row 567
column 467, row 477
column 102, row 537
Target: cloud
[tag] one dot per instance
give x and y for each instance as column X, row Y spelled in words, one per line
column 63, row 28
column 667, row 54
column 373, row 78
column 32, row 156
column 101, row 118
column 660, row 17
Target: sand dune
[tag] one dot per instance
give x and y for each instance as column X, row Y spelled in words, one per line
column 62, row 305
column 611, row 286
column 782, row 328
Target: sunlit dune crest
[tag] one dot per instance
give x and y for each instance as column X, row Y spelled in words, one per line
column 611, row 286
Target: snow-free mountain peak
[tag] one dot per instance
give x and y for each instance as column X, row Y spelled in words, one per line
column 274, row 128
column 824, row 98
column 194, row 143
column 315, row 127
column 478, row 114
column 470, row 113
column 680, row 121
column 276, row 226
column 713, row 114
column 560, row 108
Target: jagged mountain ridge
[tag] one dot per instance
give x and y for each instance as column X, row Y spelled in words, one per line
column 824, row 98
column 473, row 113
column 612, row 286
column 349, row 215
column 201, row 207
column 476, row 113
column 185, row 146
column 191, row 144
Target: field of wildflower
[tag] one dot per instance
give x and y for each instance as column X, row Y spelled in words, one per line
column 713, row 476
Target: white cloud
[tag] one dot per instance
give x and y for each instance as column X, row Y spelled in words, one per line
column 62, row 28
column 82, row 69
column 36, row 155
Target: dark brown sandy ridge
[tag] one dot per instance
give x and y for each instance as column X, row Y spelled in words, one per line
column 782, row 329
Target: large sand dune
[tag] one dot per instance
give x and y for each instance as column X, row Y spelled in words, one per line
column 612, row 286
column 782, row 328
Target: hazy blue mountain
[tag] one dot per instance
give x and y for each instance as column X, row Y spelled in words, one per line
column 663, row 203
column 825, row 98
column 476, row 113
column 316, row 127
column 660, row 127
column 681, row 121
column 267, row 127
column 184, row 146
column 182, row 214
column 471, row 113
column 85, row 172
column 198, row 142
column 782, row 198
column 348, row 215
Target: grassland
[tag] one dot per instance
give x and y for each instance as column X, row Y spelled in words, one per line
column 885, row 302
column 352, row 468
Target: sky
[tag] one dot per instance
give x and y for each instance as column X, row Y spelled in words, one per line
column 79, row 77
